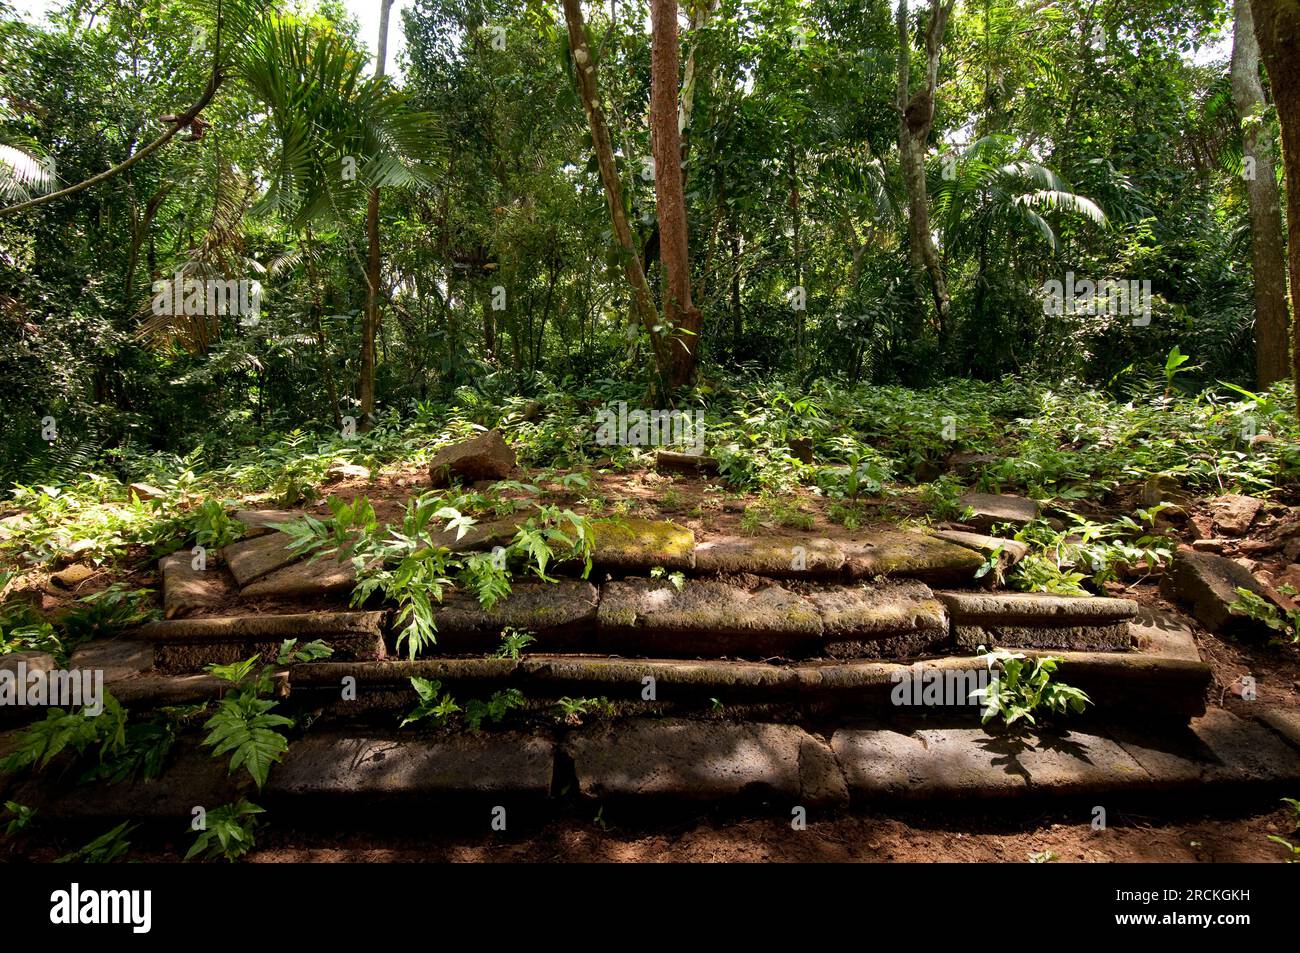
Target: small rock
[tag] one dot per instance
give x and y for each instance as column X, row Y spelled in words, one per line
column 988, row 509
column 1249, row 565
column 348, row 471
column 1207, row 584
column 72, row 576
column 487, row 457
column 146, row 492
column 1209, row 545
column 1234, row 513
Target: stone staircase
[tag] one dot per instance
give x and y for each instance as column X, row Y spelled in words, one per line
column 773, row 672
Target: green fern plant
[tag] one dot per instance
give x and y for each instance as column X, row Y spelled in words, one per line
column 229, row 832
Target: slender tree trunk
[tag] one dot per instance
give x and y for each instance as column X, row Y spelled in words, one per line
column 915, row 118
column 585, row 66
column 327, row 363
column 1268, row 259
column 1277, row 28
column 370, row 323
column 670, row 201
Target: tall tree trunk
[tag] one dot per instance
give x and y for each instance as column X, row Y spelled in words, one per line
column 370, row 324
column 680, row 314
column 915, row 117
column 1277, row 27
column 1268, row 262
column 643, row 305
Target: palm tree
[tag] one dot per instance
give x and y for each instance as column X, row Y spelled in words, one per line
column 993, row 193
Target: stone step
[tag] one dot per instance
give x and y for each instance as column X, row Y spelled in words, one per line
column 187, row 645
column 725, row 617
column 1163, row 679
column 260, row 566
column 358, row 779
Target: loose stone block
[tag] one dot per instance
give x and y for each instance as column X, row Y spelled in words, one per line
column 251, row 559
column 1207, row 584
column 487, row 457
column 1030, row 608
column 186, row 589
column 990, row 509
column 306, row 579
column 1012, row 550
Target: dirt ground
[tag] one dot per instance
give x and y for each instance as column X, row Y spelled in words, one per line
column 1040, row 836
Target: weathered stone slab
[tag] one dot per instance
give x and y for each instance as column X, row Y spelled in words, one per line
column 1035, row 608
column 1246, row 748
column 639, row 545
column 881, row 619
column 341, row 768
column 30, row 662
column 1207, row 585
column 193, row 779
column 783, row 557
column 705, row 761
column 671, row 461
column 116, row 658
column 481, row 536
column 560, row 614
column 1011, row 550
column 186, row 589
column 190, row 644
column 1171, row 758
column 705, row 617
column 914, row 555
column 990, row 509
column 259, row 522
column 1285, row 722
column 304, row 580
column 251, row 559
column 1076, row 763
column 1160, row 633
column 1081, row 638
column 929, row 763
column 487, row 457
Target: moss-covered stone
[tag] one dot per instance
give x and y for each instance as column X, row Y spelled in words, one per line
column 639, row 545
column 892, row 552
column 783, row 557
column 705, row 617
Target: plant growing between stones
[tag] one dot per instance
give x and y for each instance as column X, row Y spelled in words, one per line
column 435, row 705
column 1294, row 849
column 1285, row 623
column 1024, row 686
column 104, row 849
column 229, row 832
column 571, row 711
column 413, row 571
column 513, row 642
column 244, row 726
column 20, row 817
